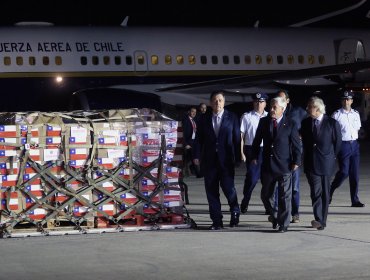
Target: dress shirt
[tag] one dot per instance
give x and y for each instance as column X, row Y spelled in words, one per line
column 248, row 125
column 350, row 123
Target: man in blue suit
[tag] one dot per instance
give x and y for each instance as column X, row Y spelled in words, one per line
column 219, row 138
column 280, row 157
column 322, row 139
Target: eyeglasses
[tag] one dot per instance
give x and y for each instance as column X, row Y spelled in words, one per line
column 259, row 101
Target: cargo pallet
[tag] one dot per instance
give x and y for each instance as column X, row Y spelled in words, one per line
column 89, row 172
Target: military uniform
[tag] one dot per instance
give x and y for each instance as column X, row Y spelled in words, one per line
column 349, row 155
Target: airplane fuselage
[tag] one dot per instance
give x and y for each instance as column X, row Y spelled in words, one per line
column 104, row 56
column 156, row 51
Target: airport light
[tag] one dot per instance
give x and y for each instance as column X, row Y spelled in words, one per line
column 59, row 79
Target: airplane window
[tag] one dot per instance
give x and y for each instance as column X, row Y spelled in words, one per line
column 95, row 60
column 225, row 59
column 191, row 59
column 280, row 59
column 140, row 59
column 7, row 60
column 32, row 60
column 168, row 59
column 45, row 60
column 321, row 59
column 247, row 59
column 236, row 59
column 258, row 59
column 154, row 59
column 180, row 59
column 290, row 59
column 19, row 60
column 301, row 59
column 58, row 60
column 311, row 59
column 203, row 59
column 117, row 60
column 214, row 59
column 83, row 60
column 106, row 60
column 269, row 59
column 128, row 59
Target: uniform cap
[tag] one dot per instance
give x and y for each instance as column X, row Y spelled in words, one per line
column 260, row 96
column 347, row 94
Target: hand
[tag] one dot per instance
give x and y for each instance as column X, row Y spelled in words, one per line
column 196, row 161
column 254, row 161
column 294, row 167
column 243, row 158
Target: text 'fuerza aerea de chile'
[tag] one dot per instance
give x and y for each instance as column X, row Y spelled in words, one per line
column 23, row 47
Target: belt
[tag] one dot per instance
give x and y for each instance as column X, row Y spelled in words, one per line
column 350, row 141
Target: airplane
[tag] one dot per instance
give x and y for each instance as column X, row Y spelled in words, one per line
column 41, row 65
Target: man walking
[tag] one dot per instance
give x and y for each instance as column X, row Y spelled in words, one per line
column 321, row 139
column 248, row 127
column 349, row 155
column 297, row 115
column 281, row 156
column 219, row 138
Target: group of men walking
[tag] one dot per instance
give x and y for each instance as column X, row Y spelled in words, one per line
column 273, row 146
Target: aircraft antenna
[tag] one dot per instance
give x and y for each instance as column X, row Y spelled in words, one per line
column 125, row 21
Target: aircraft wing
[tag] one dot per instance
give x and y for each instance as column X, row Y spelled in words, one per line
column 240, row 88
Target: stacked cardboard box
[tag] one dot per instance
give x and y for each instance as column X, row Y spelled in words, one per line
column 102, row 166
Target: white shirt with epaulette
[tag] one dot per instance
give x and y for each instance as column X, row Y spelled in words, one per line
column 248, row 125
column 350, row 123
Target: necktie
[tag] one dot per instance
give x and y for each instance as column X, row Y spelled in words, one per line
column 194, row 128
column 274, row 128
column 193, row 124
column 314, row 128
column 217, row 122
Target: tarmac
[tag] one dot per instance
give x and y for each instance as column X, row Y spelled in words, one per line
column 251, row 251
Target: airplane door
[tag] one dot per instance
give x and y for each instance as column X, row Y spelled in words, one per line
column 350, row 50
column 141, row 63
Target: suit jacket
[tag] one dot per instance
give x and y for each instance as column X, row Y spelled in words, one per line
column 320, row 155
column 187, row 128
column 227, row 143
column 279, row 153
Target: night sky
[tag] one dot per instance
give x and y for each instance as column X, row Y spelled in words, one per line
column 189, row 13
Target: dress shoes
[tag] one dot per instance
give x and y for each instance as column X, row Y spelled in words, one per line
column 243, row 208
column 216, row 226
column 358, row 204
column 234, row 219
column 315, row 224
column 272, row 220
column 282, row 229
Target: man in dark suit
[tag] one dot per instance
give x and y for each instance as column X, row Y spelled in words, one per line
column 297, row 114
column 322, row 139
column 281, row 155
column 219, row 138
column 189, row 128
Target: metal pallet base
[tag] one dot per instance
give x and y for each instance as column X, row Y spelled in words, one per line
column 95, row 231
